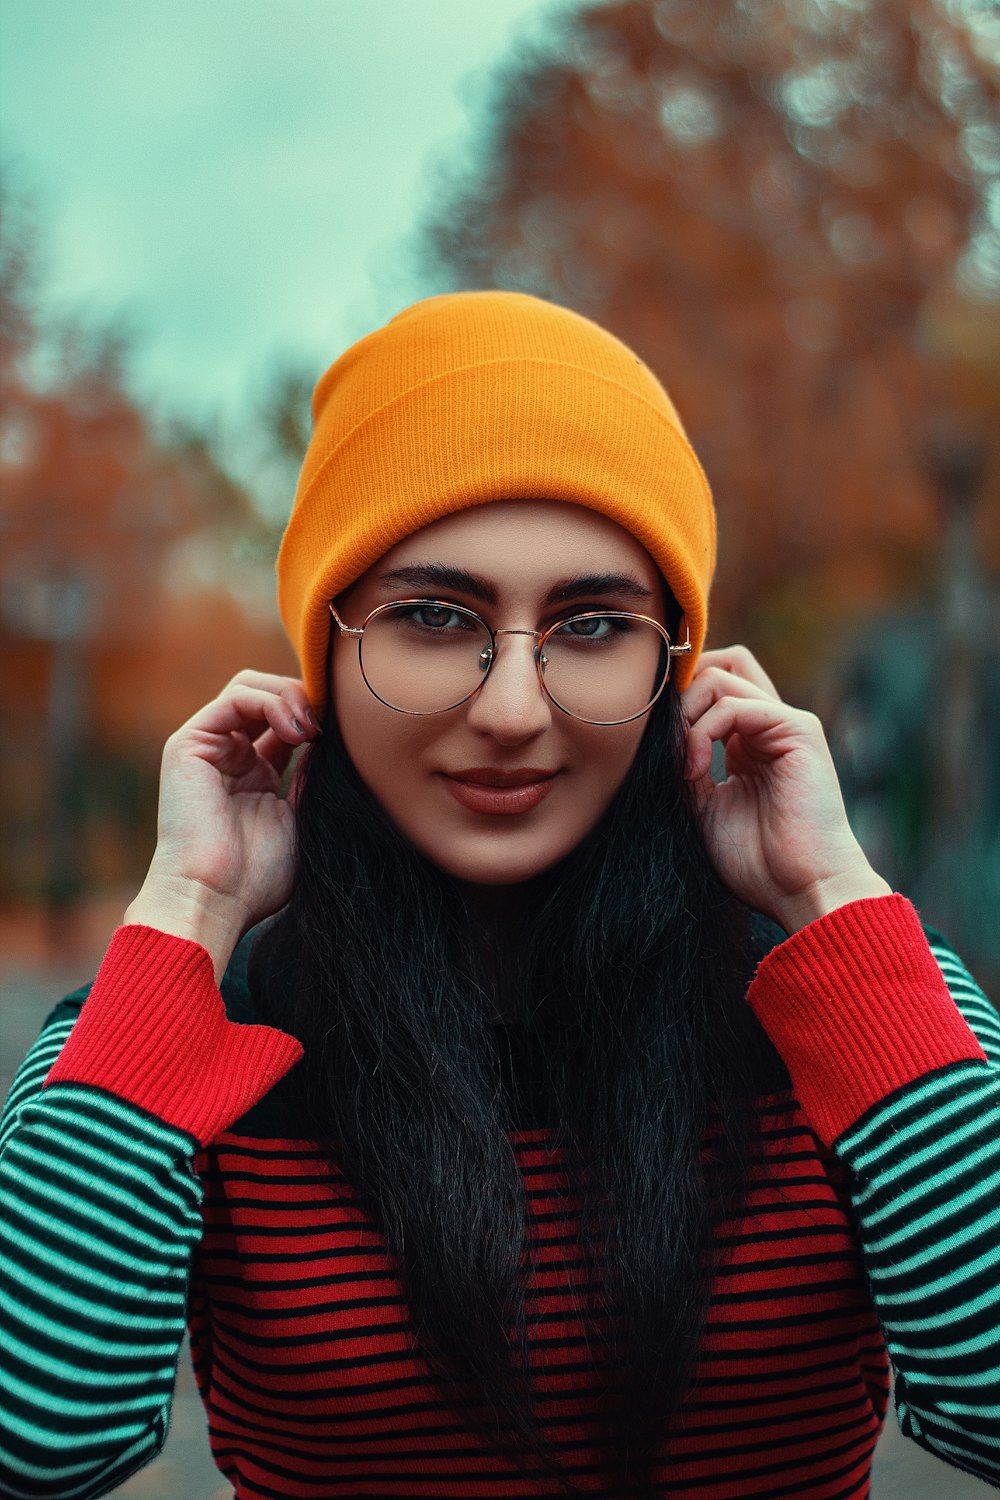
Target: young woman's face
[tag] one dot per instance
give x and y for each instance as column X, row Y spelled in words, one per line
column 519, row 551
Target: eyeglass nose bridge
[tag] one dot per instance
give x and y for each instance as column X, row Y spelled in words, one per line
column 487, row 656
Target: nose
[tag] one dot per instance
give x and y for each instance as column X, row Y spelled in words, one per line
column 511, row 705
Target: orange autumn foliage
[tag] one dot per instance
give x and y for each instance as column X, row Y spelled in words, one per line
column 772, row 203
column 128, row 597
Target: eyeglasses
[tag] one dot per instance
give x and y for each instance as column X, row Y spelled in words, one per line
column 426, row 656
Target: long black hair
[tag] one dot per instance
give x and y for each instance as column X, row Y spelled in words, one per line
column 626, row 965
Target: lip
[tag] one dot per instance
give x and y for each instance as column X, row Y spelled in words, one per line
column 516, row 796
column 493, row 776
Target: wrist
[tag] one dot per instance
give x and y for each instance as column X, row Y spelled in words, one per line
column 825, row 896
column 187, row 909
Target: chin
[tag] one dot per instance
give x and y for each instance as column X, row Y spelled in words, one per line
column 493, row 869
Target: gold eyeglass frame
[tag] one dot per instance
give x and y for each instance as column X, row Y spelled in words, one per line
column 540, row 662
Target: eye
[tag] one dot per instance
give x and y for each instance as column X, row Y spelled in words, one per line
column 436, row 615
column 592, row 628
column 432, row 618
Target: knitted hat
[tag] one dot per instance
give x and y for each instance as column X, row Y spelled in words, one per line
column 478, row 396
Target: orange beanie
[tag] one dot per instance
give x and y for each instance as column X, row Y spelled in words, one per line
column 478, row 396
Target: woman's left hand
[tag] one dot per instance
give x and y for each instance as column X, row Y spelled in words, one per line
column 776, row 829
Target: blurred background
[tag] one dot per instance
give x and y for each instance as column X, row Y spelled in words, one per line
column 790, row 208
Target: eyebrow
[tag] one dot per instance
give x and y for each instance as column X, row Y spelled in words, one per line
column 441, row 576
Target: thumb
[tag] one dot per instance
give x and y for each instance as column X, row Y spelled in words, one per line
column 298, row 776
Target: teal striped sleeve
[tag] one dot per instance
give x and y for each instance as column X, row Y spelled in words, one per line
column 925, row 1168
column 99, row 1217
column 100, row 1208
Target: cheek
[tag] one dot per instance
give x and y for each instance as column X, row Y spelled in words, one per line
column 382, row 745
column 355, row 708
column 608, row 755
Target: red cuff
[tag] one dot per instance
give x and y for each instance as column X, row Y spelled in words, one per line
column 857, row 1007
column 153, row 1030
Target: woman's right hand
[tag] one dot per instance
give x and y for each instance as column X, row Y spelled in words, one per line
column 225, row 851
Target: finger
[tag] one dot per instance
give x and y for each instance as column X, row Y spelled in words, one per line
column 767, row 729
column 234, row 756
column 243, row 709
column 258, row 763
column 274, row 750
column 741, row 661
column 718, row 682
column 290, row 690
column 270, row 682
column 703, row 789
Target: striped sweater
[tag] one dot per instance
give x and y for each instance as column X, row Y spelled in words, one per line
column 151, row 1175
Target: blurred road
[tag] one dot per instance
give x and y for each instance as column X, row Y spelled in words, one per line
column 31, row 983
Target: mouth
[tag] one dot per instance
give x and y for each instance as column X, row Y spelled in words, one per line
column 493, row 792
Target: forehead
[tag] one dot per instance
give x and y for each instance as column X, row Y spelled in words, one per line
column 526, row 539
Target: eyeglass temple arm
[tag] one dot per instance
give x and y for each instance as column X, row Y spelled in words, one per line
column 347, row 629
column 685, row 648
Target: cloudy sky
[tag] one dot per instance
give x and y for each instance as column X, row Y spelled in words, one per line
column 239, row 178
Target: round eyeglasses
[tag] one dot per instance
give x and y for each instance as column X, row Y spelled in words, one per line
column 426, row 656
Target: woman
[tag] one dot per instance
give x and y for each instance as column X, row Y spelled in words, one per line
column 505, row 1174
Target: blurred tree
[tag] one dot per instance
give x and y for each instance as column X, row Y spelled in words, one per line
column 18, row 275
column 772, row 202
column 284, row 409
column 281, row 425
column 129, row 591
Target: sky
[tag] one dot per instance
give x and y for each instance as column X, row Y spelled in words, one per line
column 238, row 179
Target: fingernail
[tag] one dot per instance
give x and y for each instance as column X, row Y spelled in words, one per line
column 299, row 728
column 312, row 718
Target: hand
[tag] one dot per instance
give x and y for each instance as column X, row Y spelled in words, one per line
column 776, row 829
column 225, row 852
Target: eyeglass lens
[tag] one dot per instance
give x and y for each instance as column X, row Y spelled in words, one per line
column 425, row 658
